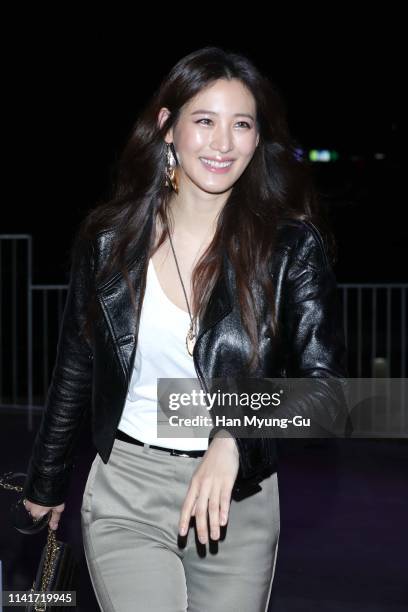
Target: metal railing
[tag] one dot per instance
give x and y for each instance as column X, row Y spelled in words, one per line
column 30, row 318
column 375, row 327
column 374, row 316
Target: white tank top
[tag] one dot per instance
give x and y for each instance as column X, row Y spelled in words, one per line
column 161, row 353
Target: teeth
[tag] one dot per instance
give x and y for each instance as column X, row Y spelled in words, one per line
column 216, row 164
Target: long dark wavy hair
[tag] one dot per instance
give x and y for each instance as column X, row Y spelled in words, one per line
column 277, row 183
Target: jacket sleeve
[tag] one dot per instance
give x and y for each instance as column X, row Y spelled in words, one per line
column 69, row 393
column 313, row 331
column 313, row 336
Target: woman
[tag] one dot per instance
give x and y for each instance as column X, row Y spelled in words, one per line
column 206, row 263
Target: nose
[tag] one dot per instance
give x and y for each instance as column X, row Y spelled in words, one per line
column 222, row 140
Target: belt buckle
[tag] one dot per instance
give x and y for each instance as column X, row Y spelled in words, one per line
column 177, row 453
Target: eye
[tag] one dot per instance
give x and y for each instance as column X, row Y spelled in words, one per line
column 242, row 122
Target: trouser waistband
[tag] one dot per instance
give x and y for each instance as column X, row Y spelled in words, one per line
column 121, row 435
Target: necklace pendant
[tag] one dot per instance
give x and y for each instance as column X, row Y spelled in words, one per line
column 190, row 341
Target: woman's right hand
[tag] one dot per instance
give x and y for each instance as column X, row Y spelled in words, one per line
column 38, row 511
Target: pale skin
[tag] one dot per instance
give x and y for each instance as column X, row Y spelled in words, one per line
column 226, row 130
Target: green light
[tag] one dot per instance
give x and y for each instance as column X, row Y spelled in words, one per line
column 323, row 155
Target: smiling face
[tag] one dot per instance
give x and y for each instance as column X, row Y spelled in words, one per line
column 218, row 124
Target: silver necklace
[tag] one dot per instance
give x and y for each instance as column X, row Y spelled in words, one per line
column 191, row 335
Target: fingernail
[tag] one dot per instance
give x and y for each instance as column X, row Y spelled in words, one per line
column 182, row 530
column 223, row 519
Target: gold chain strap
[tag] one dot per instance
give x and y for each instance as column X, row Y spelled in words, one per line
column 51, row 550
column 7, row 485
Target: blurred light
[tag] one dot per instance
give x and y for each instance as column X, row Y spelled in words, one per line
column 379, row 155
column 323, row 155
column 299, row 153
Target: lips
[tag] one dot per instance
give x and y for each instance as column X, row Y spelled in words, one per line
column 216, row 169
column 216, row 159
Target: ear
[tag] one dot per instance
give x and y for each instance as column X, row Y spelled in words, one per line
column 164, row 113
column 257, row 140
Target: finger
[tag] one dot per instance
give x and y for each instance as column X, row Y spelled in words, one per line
column 201, row 515
column 37, row 517
column 54, row 520
column 186, row 510
column 214, row 513
column 55, row 515
column 225, row 502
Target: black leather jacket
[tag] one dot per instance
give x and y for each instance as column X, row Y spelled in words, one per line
column 97, row 377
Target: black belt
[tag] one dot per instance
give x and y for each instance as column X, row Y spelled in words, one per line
column 121, row 435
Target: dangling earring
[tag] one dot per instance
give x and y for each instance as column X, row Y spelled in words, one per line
column 171, row 171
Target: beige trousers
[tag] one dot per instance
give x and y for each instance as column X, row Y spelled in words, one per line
column 138, row 562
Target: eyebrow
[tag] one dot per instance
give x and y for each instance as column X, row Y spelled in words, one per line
column 207, row 112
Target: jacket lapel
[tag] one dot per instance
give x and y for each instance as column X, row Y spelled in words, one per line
column 220, row 303
column 119, row 314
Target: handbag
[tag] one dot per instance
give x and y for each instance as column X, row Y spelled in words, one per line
column 57, row 568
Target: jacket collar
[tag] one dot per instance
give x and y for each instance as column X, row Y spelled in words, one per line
column 118, row 309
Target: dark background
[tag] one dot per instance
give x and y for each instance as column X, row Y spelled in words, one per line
column 74, row 85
